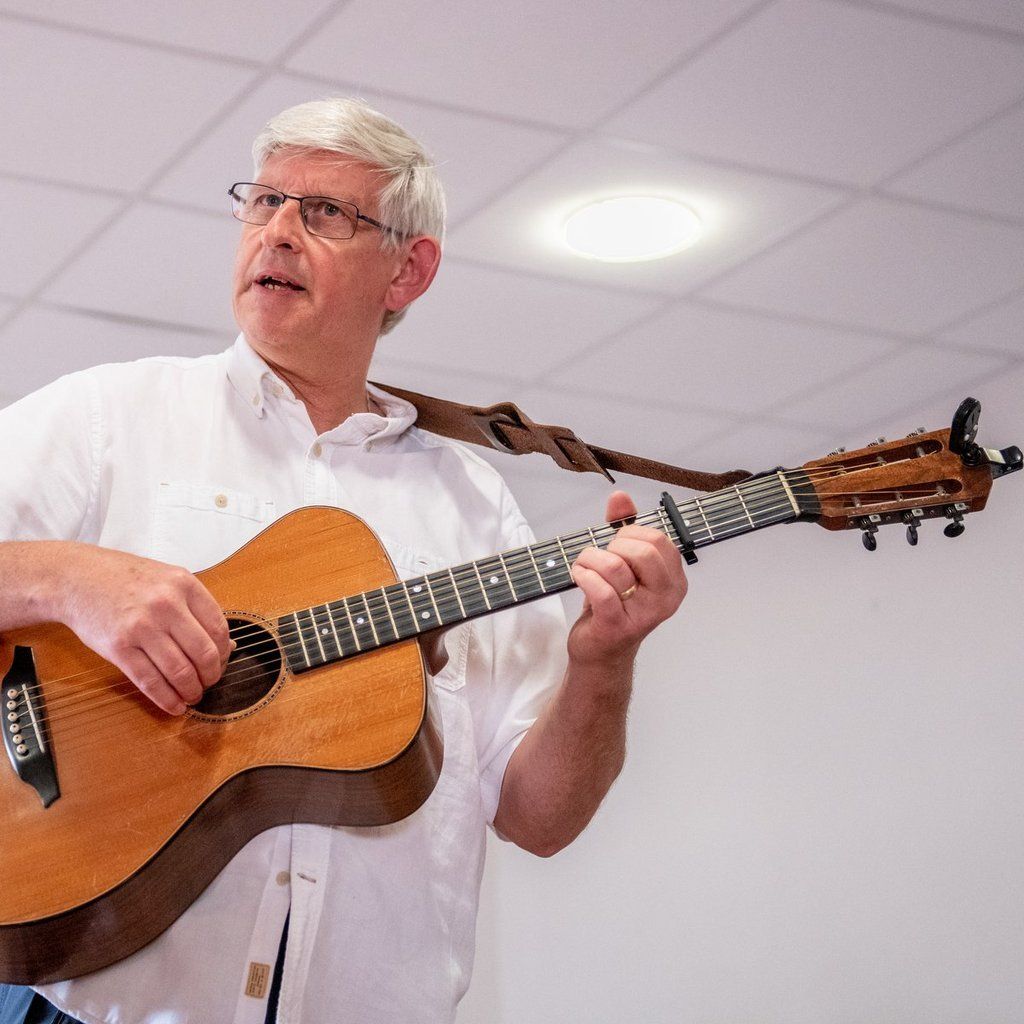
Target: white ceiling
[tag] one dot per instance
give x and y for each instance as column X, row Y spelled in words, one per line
column 857, row 164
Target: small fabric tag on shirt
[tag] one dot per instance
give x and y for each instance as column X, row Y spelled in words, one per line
column 259, row 977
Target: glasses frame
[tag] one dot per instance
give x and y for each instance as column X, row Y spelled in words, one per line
column 302, row 200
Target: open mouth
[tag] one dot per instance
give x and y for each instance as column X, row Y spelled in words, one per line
column 276, row 283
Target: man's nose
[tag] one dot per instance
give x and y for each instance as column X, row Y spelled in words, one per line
column 285, row 227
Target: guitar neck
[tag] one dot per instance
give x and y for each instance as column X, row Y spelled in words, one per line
column 401, row 611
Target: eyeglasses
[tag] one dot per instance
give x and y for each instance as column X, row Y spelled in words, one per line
column 328, row 218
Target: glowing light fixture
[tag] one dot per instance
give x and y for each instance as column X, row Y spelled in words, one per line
column 629, row 229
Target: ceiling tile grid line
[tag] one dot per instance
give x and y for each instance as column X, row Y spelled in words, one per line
column 592, row 131
column 915, row 14
column 930, row 338
column 978, row 311
column 131, row 199
column 175, row 49
column 940, row 207
column 961, row 136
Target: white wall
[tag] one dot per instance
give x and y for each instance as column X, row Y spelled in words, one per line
column 821, row 814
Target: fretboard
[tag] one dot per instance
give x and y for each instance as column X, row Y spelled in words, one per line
column 363, row 622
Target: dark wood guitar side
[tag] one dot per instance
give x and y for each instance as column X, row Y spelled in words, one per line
column 153, row 807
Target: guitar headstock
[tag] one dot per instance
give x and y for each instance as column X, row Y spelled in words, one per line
column 926, row 475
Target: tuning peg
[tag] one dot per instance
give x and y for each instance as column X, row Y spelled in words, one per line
column 918, row 432
column 877, row 441
column 911, row 518
column 836, row 451
column 955, row 513
column 870, row 529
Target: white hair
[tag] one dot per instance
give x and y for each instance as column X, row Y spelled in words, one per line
column 412, row 199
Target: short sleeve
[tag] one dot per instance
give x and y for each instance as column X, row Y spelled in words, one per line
column 521, row 655
column 49, row 461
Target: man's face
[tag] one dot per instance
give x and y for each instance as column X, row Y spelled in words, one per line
column 343, row 282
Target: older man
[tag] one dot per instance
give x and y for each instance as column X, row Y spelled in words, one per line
column 117, row 477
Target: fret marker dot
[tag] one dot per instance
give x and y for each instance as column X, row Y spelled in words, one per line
column 550, row 563
column 360, row 620
column 416, row 589
column 494, row 579
column 323, row 632
column 686, row 522
column 425, row 615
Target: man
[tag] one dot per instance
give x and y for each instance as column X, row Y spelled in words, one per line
column 164, row 463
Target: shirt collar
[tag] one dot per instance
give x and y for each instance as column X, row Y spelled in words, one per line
column 257, row 384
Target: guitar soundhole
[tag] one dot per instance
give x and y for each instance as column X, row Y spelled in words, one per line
column 252, row 671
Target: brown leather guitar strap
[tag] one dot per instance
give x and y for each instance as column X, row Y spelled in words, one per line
column 508, row 429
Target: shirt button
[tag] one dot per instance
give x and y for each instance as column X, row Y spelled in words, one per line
column 317, row 450
column 278, row 390
column 221, row 501
column 283, row 877
column 256, row 399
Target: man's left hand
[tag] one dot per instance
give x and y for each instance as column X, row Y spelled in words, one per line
column 629, row 587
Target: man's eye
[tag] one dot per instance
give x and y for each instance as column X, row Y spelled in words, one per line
column 324, row 208
column 269, row 200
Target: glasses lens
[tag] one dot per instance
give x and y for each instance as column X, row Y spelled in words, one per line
column 330, row 218
column 255, row 204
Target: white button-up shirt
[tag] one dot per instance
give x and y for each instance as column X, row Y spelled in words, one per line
column 185, row 460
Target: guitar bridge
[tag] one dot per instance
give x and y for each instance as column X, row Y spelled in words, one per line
column 25, row 734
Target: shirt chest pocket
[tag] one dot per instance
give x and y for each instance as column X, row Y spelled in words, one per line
column 197, row 525
column 410, row 564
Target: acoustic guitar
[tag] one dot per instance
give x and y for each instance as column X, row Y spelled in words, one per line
column 116, row 816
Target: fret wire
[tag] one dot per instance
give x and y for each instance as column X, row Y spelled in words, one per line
column 483, row 589
column 387, row 605
column 369, row 617
column 334, row 628
column 412, row 611
column 739, row 494
column 458, row 596
column 316, row 633
column 536, row 569
column 372, row 599
column 501, row 559
column 430, row 593
column 302, row 640
column 351, row 624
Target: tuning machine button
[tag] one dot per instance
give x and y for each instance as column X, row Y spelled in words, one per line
column 877, row 441
column 911, row 518
column 956, row 514
column 836, row 451
column 869, row 524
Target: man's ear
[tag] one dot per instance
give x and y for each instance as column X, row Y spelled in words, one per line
column 414, row 274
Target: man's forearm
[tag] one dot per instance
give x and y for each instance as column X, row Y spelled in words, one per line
column 30, row 580
column 567, row 762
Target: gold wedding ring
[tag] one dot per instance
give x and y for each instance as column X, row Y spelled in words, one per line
column 627, row 594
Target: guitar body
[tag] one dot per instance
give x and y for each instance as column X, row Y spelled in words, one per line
column 151, row 807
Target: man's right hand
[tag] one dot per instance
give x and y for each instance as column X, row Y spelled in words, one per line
column 156, row 622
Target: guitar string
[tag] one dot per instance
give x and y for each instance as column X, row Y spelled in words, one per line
column 524, row 561
column 524, row 570
column 191, row 724
column 125, row 686
column 524, row 566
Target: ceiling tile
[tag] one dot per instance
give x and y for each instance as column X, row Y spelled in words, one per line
column 1005, row 14
column 893, row 390
column 818, row 88
column 41, row 344
column 639, row 425
column 1000, row 327
column 43, row 224
column 885, row 265
column 216, row 28
column 112, row 112
column 498, row 322
column 545, row 60
column 157, row 263
column 980, row 172
column 463, row 145
column 760, row 446
column 700, row 357
column 742, row 213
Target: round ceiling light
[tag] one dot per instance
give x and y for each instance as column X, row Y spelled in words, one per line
column 629, row 229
